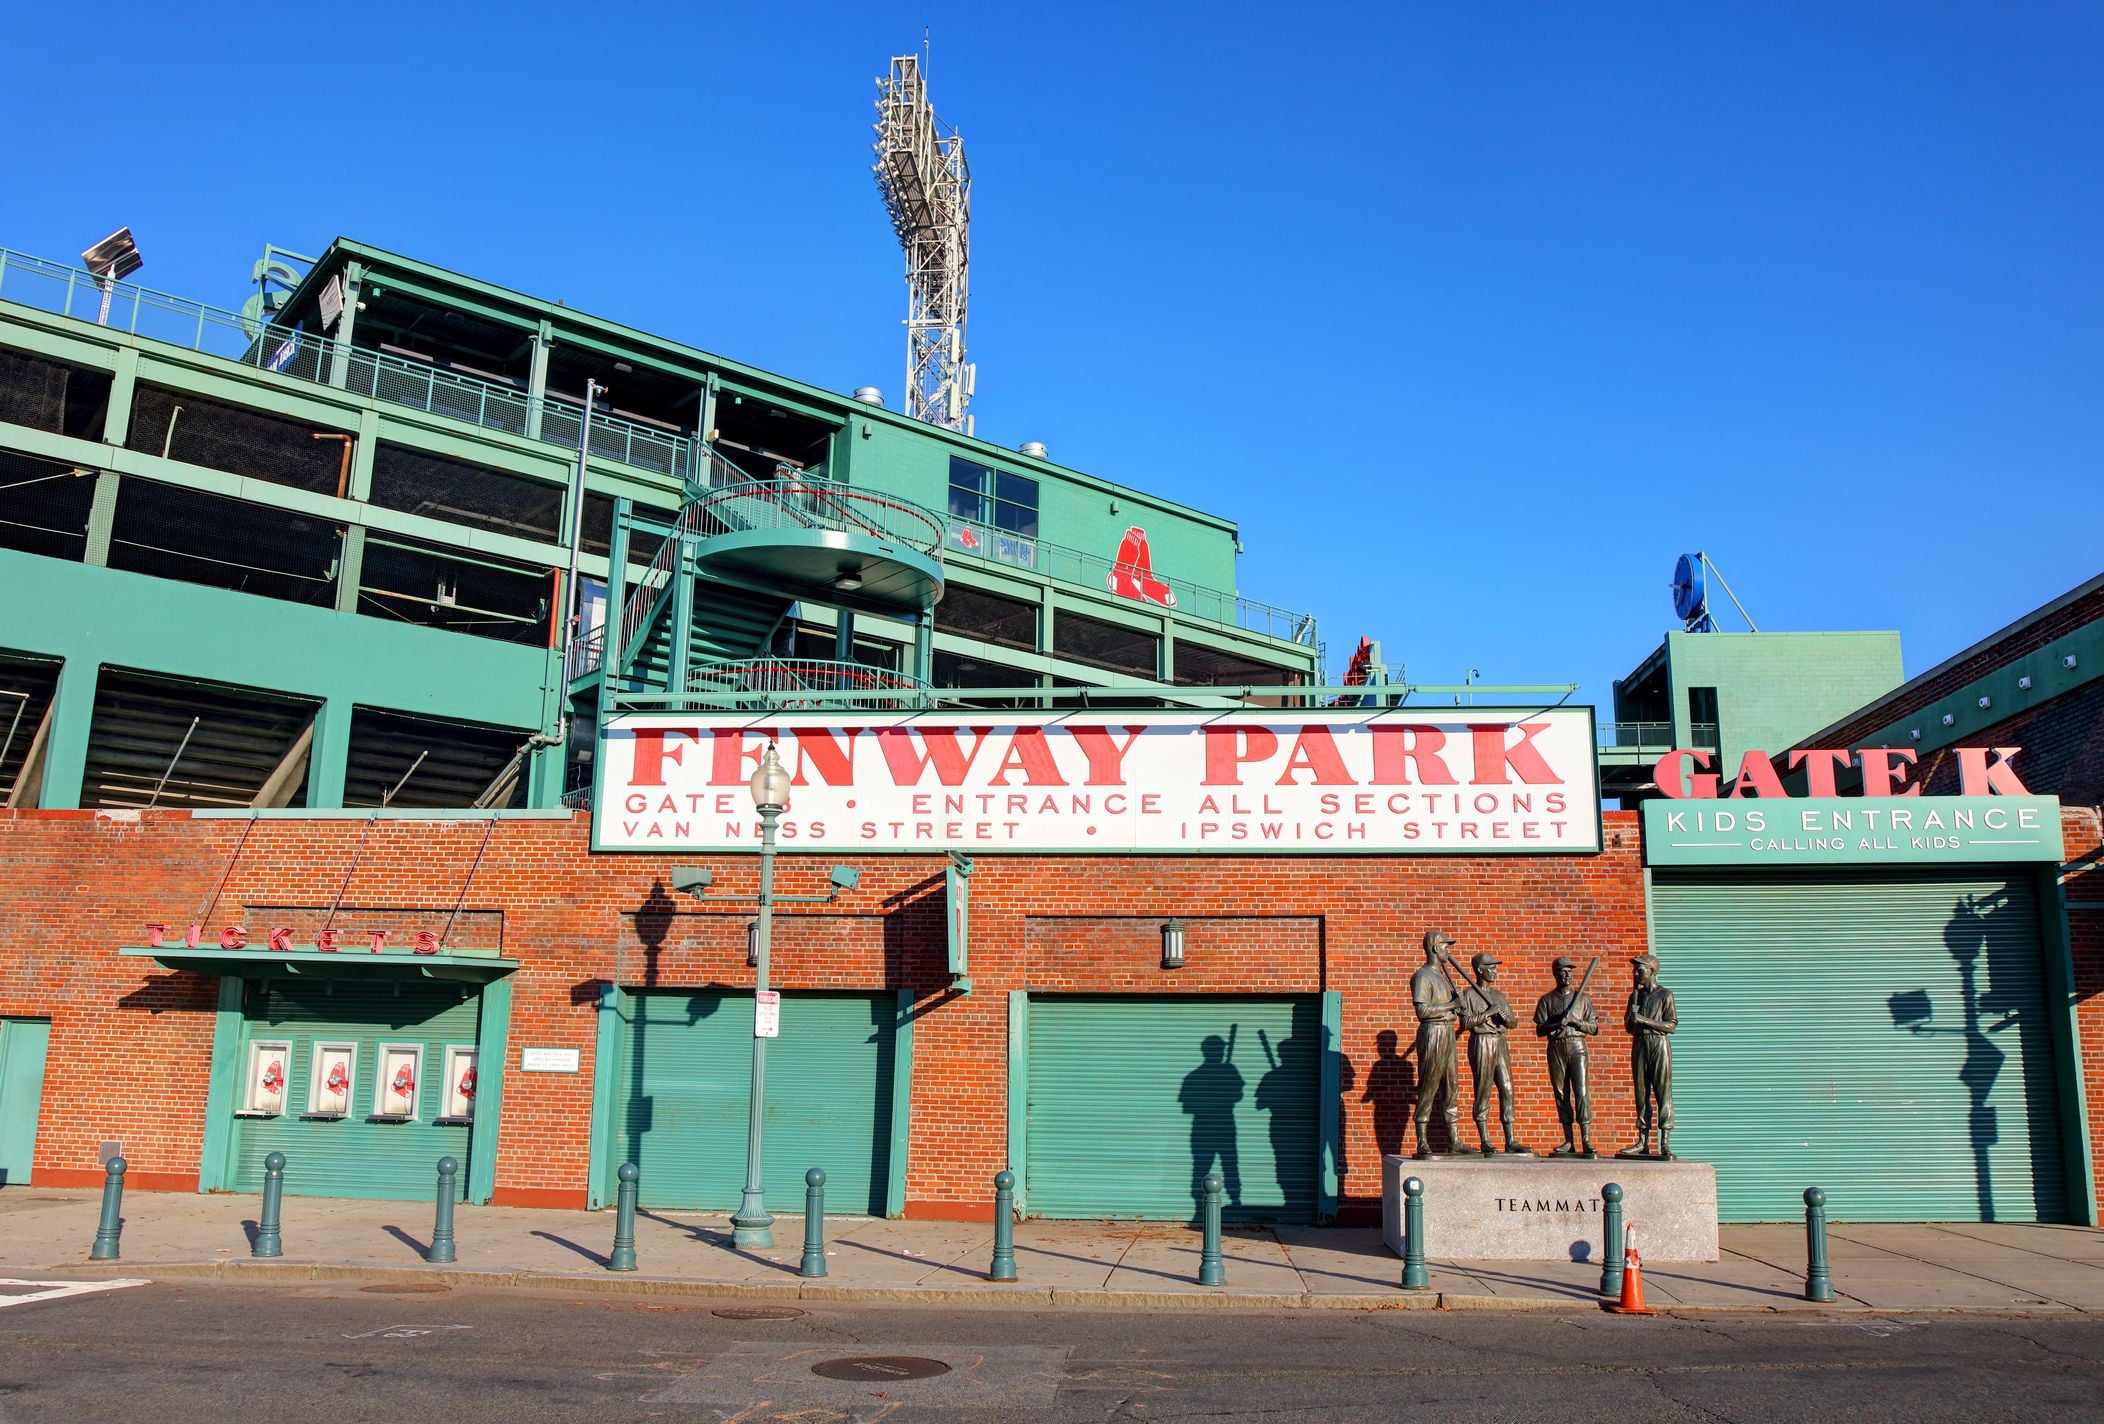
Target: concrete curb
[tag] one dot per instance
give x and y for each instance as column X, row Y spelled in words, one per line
column 249, row 1270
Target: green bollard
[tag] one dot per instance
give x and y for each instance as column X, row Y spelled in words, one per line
column 269, row 1240
column 112, row 1223
column 624, row 1257
column 441, row 1252
column 814, row 1264
column 1414, row 1275
column 1611, row 1255
column 1818, row 1281
column 1212, row 1271
column 1004, row 1228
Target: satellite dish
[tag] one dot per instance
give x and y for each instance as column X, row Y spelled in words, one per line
column 1690, row 598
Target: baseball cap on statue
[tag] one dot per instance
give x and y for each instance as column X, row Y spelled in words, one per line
column 1563, row 961
column 1483, row 961
column 1438, row 939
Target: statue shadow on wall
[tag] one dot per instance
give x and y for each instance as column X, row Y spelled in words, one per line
column 1975, row 943
column 1391, row 1089
column 1209, row 1095
column 655, row 918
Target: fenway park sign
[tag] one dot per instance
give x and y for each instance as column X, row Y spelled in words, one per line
column 1474, row 781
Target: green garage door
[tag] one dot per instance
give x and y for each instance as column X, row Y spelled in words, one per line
column 1132, row 1100
column 1883, row 1037
column 23, row 1044
column 351, row 1155
column 683, row 1098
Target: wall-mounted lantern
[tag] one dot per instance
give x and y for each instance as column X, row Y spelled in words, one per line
column 1172, row 944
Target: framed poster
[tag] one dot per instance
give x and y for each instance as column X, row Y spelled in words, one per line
column 269, row 1076
column 331, row 1078
column 458, row 1104
column 401, row 1077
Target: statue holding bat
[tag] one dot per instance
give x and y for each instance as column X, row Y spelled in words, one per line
column 1487, row 1015
column 1565, row 1016
column 1438, row 1068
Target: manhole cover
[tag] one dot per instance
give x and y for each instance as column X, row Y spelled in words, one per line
column 881, row 1367
column 759, row 1312
column 407, row 1288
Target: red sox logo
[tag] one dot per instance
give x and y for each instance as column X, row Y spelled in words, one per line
column 339, row 1082
column 274, row 1079
column 1132, row 576
column 404, row 1084
column 467, row 1085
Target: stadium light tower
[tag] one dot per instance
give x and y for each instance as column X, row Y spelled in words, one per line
column 927, row 188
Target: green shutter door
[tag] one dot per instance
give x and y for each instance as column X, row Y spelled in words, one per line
column 683, row 1089
column 23, row 1043
column 1132, row 1100
column 351, row 1157
column 1882, row 1036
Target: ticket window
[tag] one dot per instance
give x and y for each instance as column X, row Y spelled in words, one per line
column 459, row 1088
column 268, row 1082
column 334, row 1076
column 401, row 1079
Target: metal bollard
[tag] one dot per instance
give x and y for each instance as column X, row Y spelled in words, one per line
column 269, row 1240
column 1818, row 1281
column 1414, row 1275
column 1212, row 1271
column 814, row 1264
column 1611, row 1250
column 112, row 1224
column 441, row 1252
column 1004, row 1228
column 624, row 1257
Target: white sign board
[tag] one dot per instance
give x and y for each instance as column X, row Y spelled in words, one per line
column 548, row 1060
column 1466, row 781
column 767, row 1014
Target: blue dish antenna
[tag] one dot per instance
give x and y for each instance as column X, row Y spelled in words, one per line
column 1691, row 593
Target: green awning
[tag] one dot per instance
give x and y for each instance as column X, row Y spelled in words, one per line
column 253, row 963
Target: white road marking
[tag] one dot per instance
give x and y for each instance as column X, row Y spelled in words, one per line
column 59, row 1290
column 404, row 1332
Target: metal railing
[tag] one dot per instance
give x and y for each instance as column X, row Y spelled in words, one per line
column 1093, row 571
column 625, row 442
column 1654, row 736
column 802, row 504
column 585, row 654
column 790, row 682
column 654, row 584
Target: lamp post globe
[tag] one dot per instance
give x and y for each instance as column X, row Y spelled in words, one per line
column 753, row 1226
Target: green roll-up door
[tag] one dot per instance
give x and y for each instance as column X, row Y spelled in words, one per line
column 1882, row 1037
column 1132, row 1100
column 23, row 1045
column 352, row 1157
column 683, row 1095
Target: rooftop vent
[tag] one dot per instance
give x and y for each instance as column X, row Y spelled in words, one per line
column 869, row 395
column 1035, row 449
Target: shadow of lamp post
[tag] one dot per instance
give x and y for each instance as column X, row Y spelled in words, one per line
column 752, row 1226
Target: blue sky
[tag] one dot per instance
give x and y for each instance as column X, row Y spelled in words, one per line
column 1474, row 316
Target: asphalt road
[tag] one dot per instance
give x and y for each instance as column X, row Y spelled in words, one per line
column 176, row 1352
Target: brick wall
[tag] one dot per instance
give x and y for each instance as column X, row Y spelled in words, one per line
column 2082, row 881
column 2063, row 749
column 131, row 1041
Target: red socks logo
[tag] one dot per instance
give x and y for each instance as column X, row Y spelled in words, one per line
column 1133, row 574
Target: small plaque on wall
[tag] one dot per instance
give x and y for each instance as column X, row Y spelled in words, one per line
column 548, row 1060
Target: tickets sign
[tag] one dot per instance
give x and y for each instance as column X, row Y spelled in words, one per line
column 1397, row 780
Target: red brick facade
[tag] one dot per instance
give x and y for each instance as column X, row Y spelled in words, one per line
column 131, row 1042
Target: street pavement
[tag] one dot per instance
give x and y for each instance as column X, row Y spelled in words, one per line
column 171, row 1236
column 346, row 1352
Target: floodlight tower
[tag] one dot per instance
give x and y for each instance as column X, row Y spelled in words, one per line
column 927, row 188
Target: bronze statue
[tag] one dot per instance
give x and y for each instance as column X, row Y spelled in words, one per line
column 1488, row 1016
column 1432, row 995
column 1565, row 1017
column 1649, row 1018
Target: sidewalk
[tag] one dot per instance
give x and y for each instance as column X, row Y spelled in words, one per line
column 1151, row 1264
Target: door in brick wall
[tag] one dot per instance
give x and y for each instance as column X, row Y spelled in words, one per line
column 682, row 1098
column 23, row 1043
column 379, row 1128
column 1132, row 1100
column 1883, row 1036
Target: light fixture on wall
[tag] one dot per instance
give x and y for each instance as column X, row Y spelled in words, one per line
column 752, row 943
column 2069, row 661
column 1950, row 719
column 2024, row 684
column 1172, row 944
column 1986, row 702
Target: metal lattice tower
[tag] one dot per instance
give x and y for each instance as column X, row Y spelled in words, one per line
column 927, row 188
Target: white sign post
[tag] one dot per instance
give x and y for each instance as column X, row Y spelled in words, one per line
column 1459, row 781
column 767, row 1014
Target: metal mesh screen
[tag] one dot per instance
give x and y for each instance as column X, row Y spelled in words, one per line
column 416, row 583
column 47, row 395
column 1198, row 666
column 197, row 431
column 988, row 617
column 1105, row 645
column 156, row 742
column 399, row 760
column 44, row 506
column 177, row 533
column 440, row 487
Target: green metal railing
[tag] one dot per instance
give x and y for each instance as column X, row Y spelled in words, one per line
column 778, row 683
column 1654, row 736
column 1093, row 571
column 900, row 691
column 802, row 504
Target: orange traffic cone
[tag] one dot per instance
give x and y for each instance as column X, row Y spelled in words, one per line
column 1632, row 1301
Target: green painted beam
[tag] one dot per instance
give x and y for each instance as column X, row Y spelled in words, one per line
column 606, row 1096
column 222, row 1087
column 2065, row 1030
column 492, row 1048
column 1329, row 1136
column 1019, row 1093
column 901, row 1106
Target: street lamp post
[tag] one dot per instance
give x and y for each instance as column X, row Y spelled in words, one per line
column 752, row 1226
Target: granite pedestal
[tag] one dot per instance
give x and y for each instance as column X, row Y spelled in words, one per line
column 1549, row 1208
